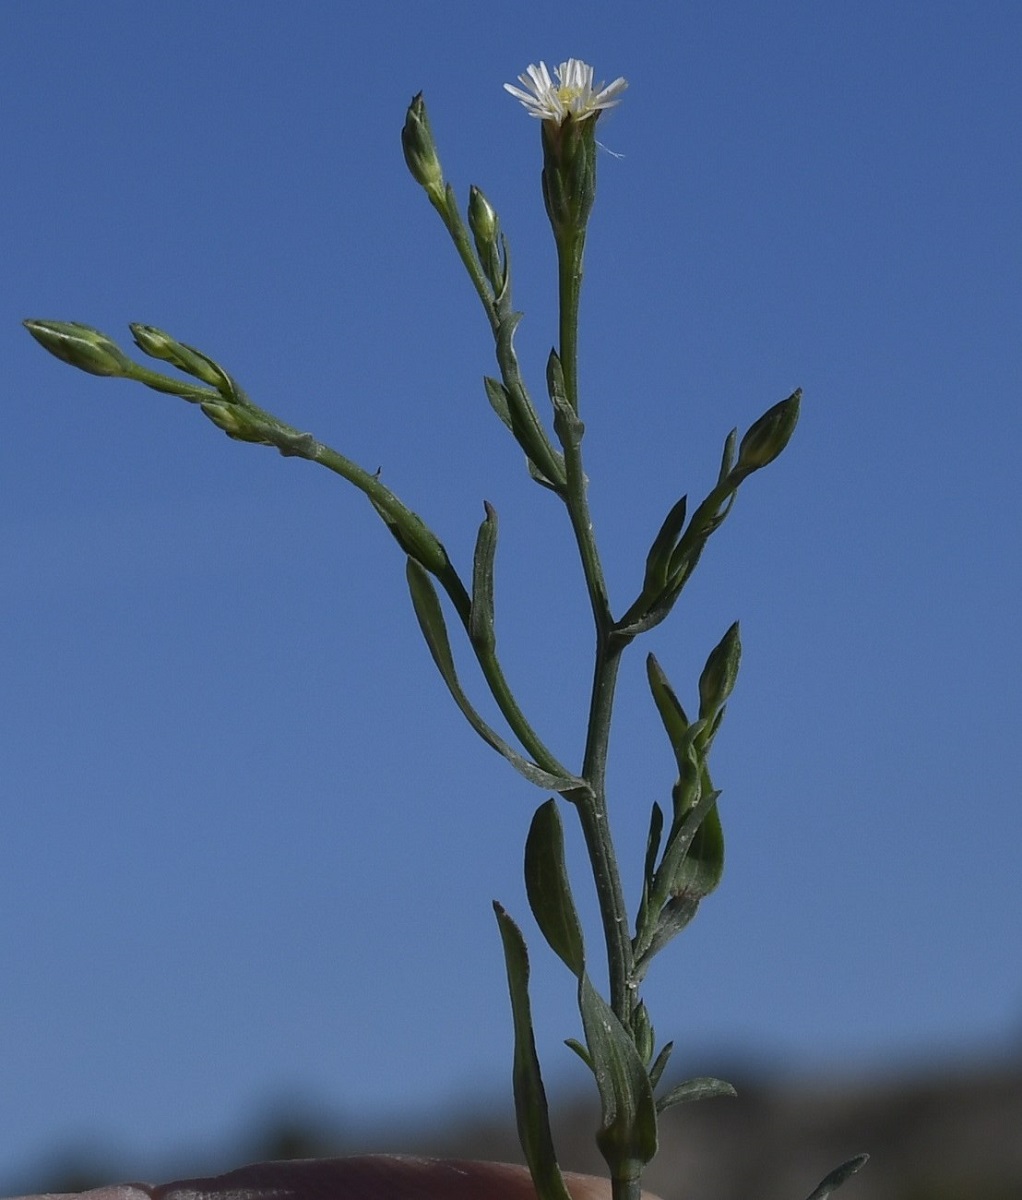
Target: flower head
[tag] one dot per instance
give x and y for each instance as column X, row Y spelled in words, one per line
column 572, row 96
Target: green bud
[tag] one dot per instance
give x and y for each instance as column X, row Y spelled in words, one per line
column 81, row 346
column 718, row 678
column 157, row 344
column 482, row 220
column 768, row 436
column 420, row 149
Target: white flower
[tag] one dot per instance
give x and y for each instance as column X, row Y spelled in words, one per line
column 573, row 95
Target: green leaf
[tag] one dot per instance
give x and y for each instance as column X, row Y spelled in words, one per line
column 480, row 620
column 656, row 826
column 839, row 1176
column 496, row 393
column 549, row 890
column 434, row 630
column 703, row 865
column 580, row 1050
column 675, row 722
column 546, row 464
column 628, row 1130
column 672, row 919
column 727, row 459
column 567, row 426
column 657, row 1069
column 530, row 1096
column 703, row 1088
column 693, row 860
column 659, row 557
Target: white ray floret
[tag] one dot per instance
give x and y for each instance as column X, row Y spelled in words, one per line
column 573, row 95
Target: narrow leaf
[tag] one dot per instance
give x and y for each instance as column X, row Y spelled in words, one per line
column 580, row 1050
column 703, row 1088
column 675, row 722
column 567, row 426
column 480, row 620
column 656, row 825
column 496, row 393
column 839, row 1176
column 628, row 1134
column 659, row 557
column 692, row 867
column 549, row 890
column 674, row 916
column 657, row 1069
column 523, row 420
column 434, row 630
column 530, row 1096
column 727, row 459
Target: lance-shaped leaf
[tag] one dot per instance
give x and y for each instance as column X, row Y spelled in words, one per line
column 656, row 826
column 659, row 557
column 496, row 393
column 434, row 630
column 480, row 621
column 668, row 705
column 670, row 921
column 567, row 425
column 727, row 458
column 530, row 1096
column 523, row 420
column 693, row 860
column 703, row 1088
column 628, row 1129
column 678, row 887
column 499, row 397
column 548, row 888
column 838, row 1176
column 703, row 844
column 658, row 1067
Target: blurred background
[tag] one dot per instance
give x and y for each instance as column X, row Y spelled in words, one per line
column 249, row 847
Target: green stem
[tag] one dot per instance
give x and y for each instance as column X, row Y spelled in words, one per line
column 447, row 207
column 570, row 248
column 592, row 807
column 594, row 819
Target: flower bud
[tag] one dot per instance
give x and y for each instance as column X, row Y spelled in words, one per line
column 718, row 678
column 81, row 346
column 768, row 436
column 420, row 149
column 482, row 218
column 485, row 226
column 157, row 344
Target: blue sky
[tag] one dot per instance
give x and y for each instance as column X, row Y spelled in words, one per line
column 249, row 848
